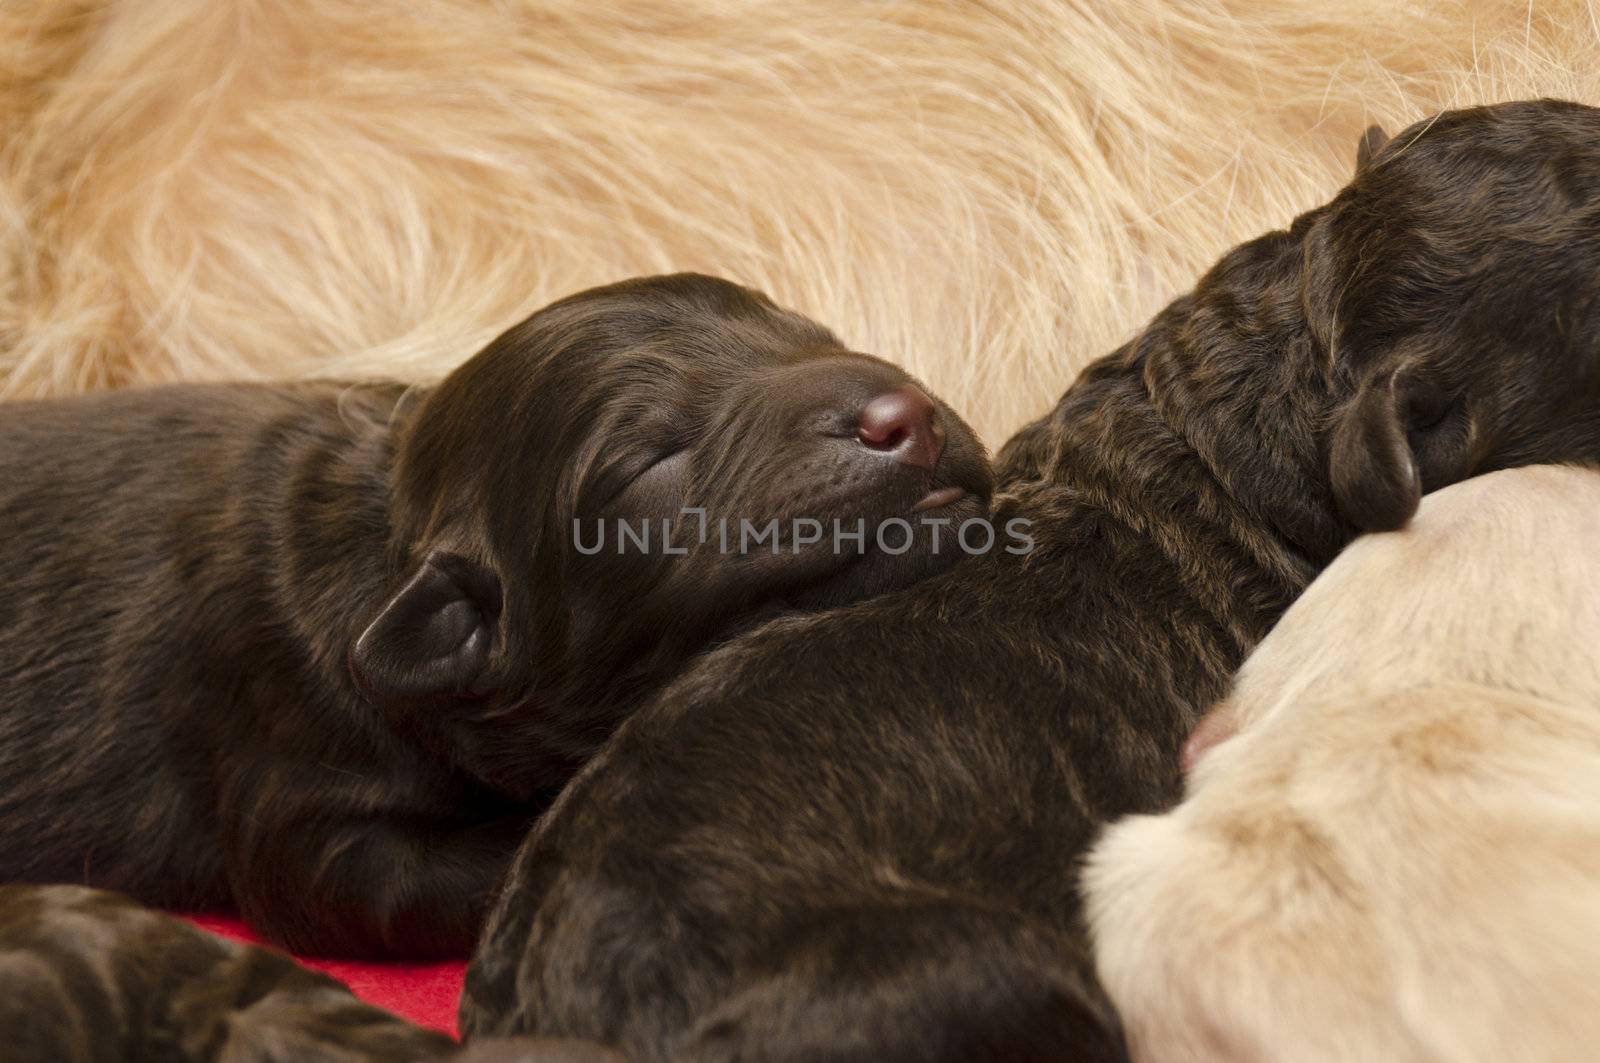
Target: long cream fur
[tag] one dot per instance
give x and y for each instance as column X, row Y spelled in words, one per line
column 990, row 194
column 1397, row 855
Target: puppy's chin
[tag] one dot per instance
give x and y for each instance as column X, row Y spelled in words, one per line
column 897, row 561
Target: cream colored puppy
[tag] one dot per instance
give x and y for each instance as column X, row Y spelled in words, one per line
column 1391, row 849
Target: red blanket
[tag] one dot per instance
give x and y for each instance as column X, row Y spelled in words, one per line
column 425, row 993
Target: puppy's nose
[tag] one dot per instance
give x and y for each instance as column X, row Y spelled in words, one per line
column 902, row 423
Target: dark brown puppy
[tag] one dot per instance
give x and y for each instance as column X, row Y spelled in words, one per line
column 318, row 650
column 90, row 976
column 856, row 836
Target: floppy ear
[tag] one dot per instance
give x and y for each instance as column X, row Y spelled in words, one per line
column 1402, row 435
column 1375, row 480
column 433, row 638
column 1372, row 142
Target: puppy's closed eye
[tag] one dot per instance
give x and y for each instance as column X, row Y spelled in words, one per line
column 649, row 483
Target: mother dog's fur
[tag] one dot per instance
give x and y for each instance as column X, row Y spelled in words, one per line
column 989, row 193
column 1397, row 857
column 854, row 836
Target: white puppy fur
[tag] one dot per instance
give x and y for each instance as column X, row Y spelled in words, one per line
column 1396, row 856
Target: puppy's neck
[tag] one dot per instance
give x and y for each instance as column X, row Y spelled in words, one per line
column 1203, row 435
column 1254, row 424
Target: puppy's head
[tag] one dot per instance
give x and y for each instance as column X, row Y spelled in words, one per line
column 1455, row 288
column 635, row 471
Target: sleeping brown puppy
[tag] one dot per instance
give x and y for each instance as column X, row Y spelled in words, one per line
column 317, row 651
column 854, row 836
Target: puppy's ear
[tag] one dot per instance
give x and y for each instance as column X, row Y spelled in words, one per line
column 434, row 637
column 1372, row 142
column 1402, row 435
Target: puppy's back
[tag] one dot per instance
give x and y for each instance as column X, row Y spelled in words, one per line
column 1398, row 856
column 141, row 538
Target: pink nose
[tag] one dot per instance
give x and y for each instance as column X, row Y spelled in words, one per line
column 902, row 423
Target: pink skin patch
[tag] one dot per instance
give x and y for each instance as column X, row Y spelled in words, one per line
column 1215, row 727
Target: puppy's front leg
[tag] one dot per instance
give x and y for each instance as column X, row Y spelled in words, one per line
column 378, row 885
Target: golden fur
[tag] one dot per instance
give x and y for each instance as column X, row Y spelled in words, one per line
column 1397, row 855
column 990, row 194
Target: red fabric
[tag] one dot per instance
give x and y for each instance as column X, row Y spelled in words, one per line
column 425, row 993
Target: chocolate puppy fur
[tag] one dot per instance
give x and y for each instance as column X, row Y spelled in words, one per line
column 855, row 836
column 320, row 651
column 92, row 976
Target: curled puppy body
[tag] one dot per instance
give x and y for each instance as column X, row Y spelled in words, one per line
column 318, row 651
column 854, row 835
column 91, row 976
column 1397, row 855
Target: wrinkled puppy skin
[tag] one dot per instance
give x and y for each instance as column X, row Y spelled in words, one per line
column 855, row 836
column 321, row 651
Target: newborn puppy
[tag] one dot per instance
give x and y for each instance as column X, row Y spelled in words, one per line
column 91, row 976
column 319, row 650
column 1397, row 857
column 854, row 835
